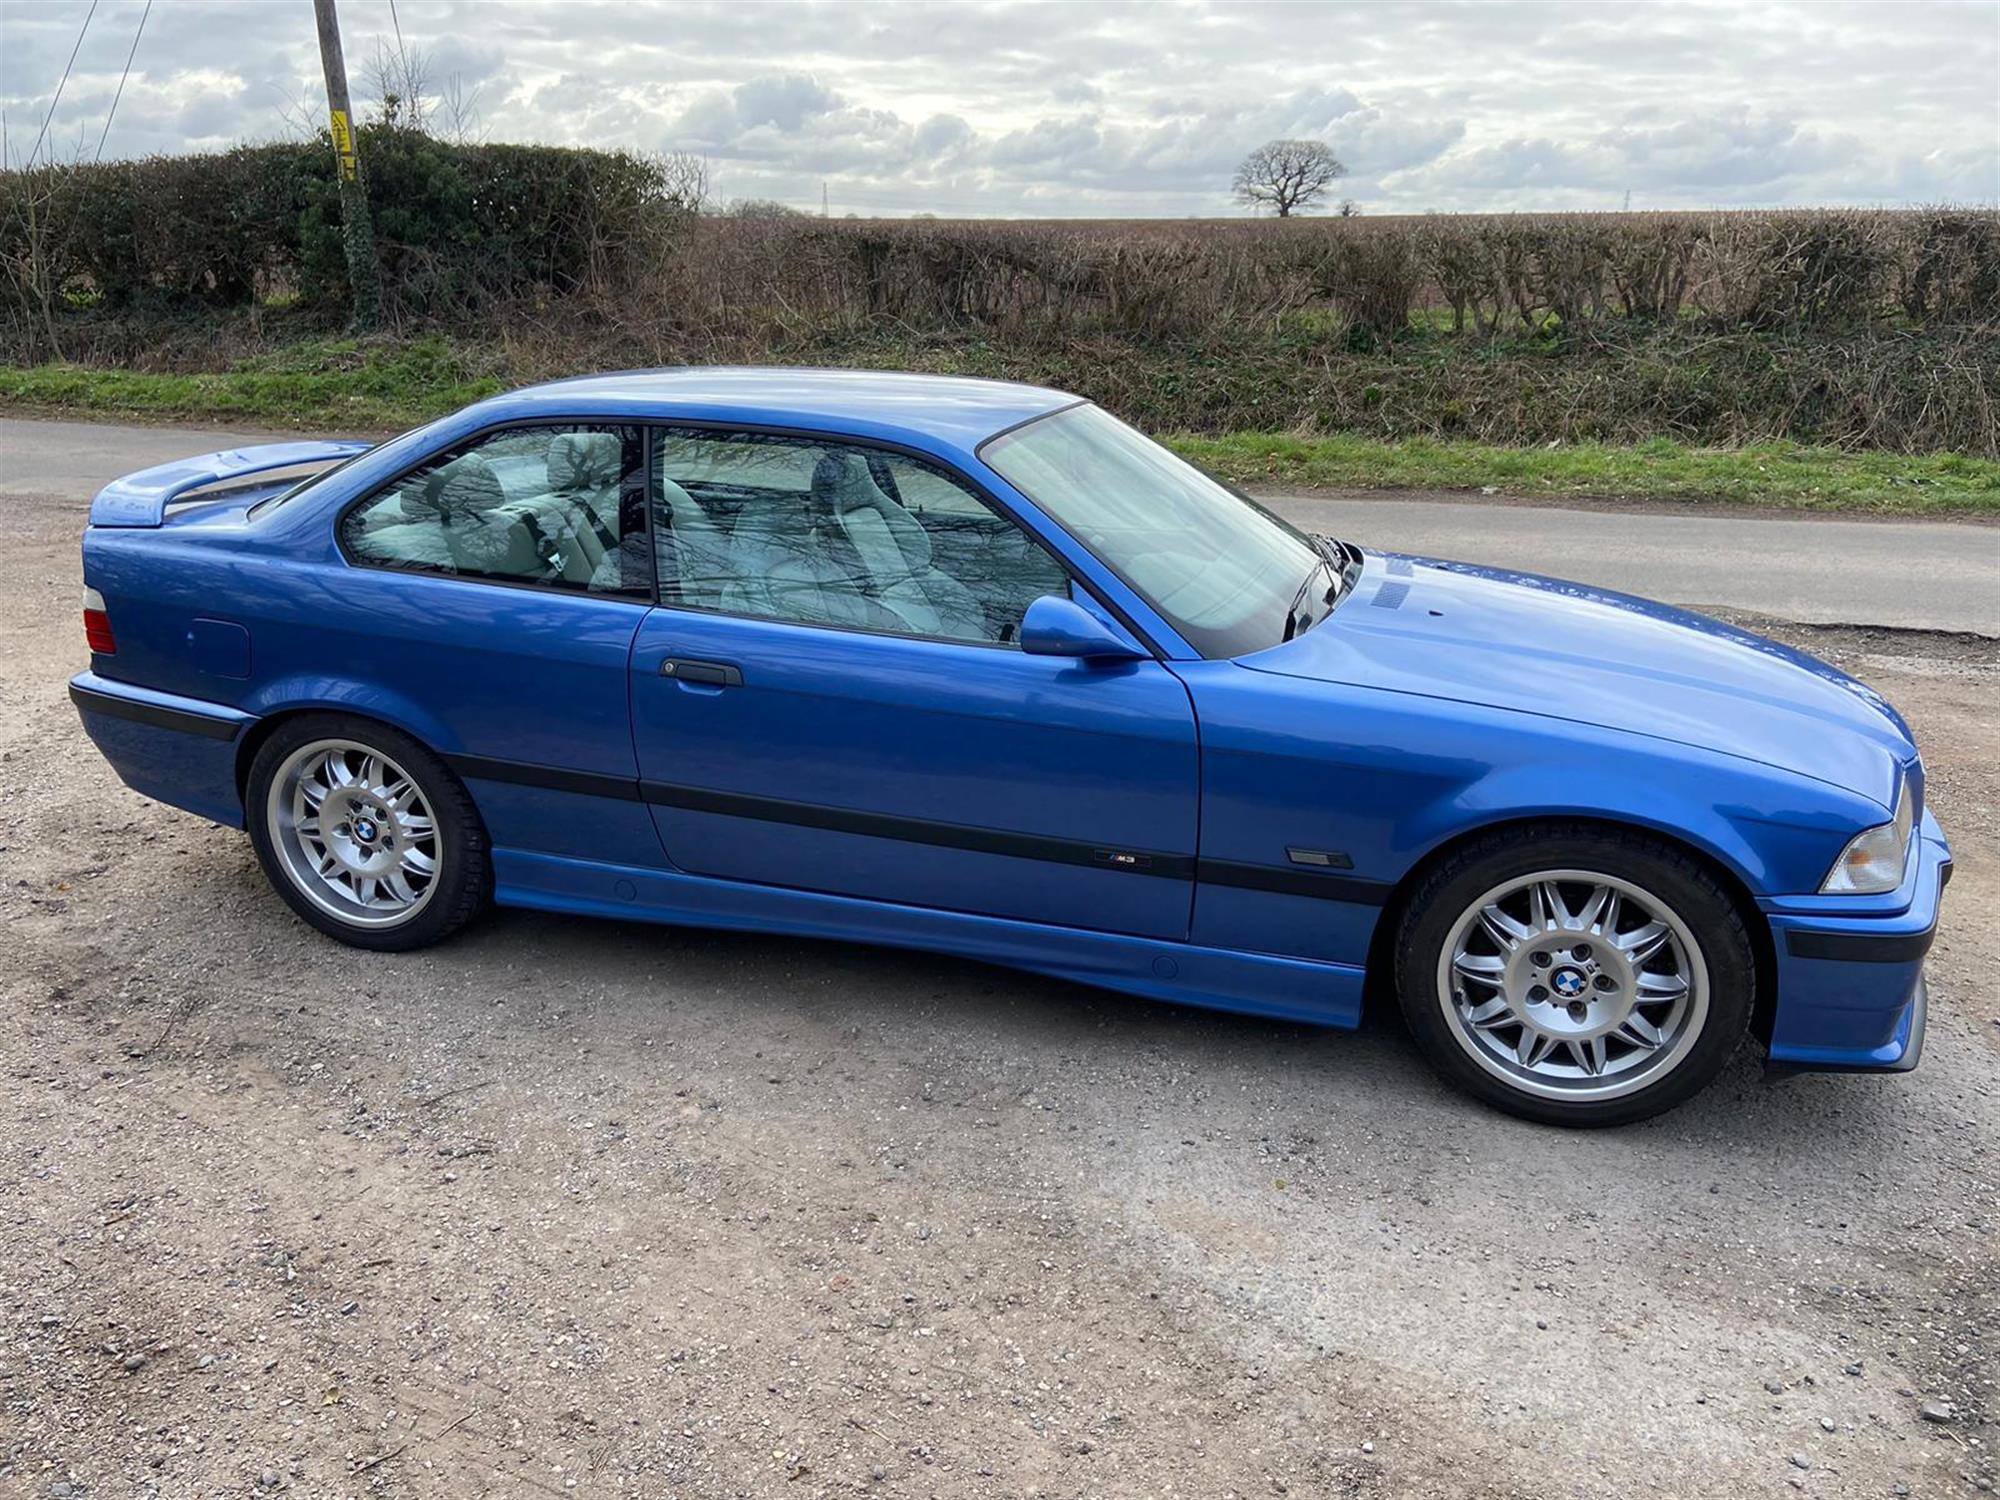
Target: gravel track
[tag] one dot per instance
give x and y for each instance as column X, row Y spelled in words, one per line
column 579, row 1207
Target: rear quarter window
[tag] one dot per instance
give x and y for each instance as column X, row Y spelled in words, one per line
column 304, row 486
column 558, row 506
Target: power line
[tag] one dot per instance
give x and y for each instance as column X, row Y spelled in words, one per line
column 407, row 84
column 402, row 52
column 62, row 85
column 111, row 113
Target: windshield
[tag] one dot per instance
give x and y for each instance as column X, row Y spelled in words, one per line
column 1224, row 572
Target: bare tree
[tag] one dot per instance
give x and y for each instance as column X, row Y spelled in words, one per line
column 400, row 80
column 299, row 114
column 1287, row 177
column 683, row 180
column 760, row 208
column 27, row 269
column 456, row 116
column 408, row 95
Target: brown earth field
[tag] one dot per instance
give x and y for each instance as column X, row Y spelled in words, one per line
column 574, row 1207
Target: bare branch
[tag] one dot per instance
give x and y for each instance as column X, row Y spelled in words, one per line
column 400, row 80
column 683, row 179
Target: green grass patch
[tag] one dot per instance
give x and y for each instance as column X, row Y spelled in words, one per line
column 345, row 385
column 329, row 385
column 1779, row 474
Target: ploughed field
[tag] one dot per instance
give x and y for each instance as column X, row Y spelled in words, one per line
column 567, row 1204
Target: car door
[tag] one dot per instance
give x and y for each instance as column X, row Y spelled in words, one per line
column 832, row 697
column 488, row 601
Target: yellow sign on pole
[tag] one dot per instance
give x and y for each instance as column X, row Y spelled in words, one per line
column 343, row 144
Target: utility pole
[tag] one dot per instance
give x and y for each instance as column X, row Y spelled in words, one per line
column 357, row 232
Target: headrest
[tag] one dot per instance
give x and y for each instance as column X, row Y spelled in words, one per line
column 463, row 485
column 583, row 461
column 678, row 501
column 842, row 485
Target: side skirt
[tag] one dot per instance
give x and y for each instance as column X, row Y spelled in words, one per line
column 1323, row 994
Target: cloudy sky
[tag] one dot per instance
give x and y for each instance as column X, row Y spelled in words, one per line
column 960, row 107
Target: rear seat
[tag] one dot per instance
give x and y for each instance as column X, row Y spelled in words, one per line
column 464, row 501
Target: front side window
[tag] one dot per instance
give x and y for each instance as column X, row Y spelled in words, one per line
column 558, row 506
column 822, row 532
column 1223, row 571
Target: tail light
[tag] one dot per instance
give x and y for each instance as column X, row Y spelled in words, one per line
column 97, row 625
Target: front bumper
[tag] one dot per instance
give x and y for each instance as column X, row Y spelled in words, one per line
column 176, row 750
column 1851, row 991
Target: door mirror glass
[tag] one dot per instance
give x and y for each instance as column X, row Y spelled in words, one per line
column 1054, row 626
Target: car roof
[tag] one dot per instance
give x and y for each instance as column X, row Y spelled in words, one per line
column 955, row 409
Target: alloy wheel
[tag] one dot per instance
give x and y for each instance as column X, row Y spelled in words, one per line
column 354, row 833
column 1572, row 984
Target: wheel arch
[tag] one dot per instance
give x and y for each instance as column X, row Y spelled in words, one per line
column 269, row 722
column 462, row 851
column 1381, row 948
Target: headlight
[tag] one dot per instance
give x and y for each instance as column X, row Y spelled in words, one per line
column 1873, row 860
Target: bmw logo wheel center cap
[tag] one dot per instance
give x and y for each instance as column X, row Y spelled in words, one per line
column 1571, row 985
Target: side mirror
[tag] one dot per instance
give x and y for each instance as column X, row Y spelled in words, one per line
column 1054, row 626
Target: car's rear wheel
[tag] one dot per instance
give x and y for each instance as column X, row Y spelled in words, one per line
column 1575, row 976
column 365, row 833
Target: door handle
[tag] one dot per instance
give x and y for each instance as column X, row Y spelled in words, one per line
column 706, row 673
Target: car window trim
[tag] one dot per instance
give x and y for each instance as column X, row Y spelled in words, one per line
column 1028, row 421
column 649, row 600
column 945, row 466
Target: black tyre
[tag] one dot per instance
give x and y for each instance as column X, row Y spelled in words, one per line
column 365, row 833
column 1575, row 975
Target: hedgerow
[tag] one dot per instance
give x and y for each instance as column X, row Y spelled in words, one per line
column 460, row 230
column 1857, row 327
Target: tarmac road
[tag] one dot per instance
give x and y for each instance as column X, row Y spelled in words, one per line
column 1811, row 570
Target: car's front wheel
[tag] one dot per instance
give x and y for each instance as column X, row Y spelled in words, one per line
column 365, row 833
column 1574, row 975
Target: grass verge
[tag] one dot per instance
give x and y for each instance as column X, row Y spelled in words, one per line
column 342, row 385
column 327, row 385
column 1778, row 474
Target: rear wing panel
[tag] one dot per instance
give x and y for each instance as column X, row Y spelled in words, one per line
column 142, row 499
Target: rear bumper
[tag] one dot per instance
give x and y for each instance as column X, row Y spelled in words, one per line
column 1851, row 992
column 180, row 751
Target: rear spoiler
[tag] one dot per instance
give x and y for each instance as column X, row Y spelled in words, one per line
column 142, row 499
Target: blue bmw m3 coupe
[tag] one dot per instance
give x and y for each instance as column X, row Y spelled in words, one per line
column 973, row 667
